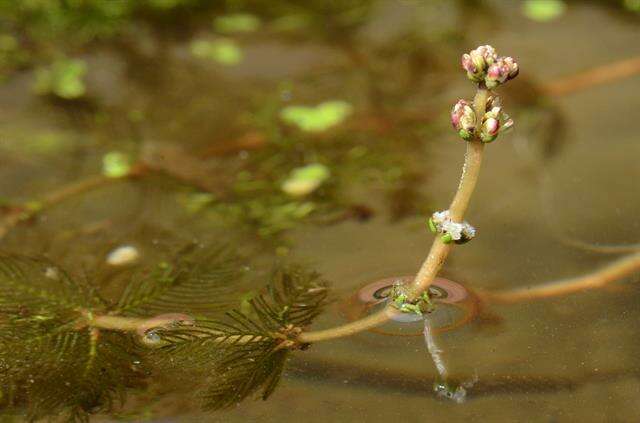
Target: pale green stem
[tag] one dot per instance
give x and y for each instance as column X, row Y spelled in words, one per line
column 612, row 272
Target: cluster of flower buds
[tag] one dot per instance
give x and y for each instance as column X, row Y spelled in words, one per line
column 484, row 65
column 494, row 121
column 460, row 233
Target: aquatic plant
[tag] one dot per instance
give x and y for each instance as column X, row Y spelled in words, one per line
column 246, row 350
column 185, row 313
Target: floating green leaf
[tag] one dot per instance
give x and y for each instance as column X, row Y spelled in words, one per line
column 62, row 78
column 235, row 23
column 318, row 118
column 224, row 51
column 543, row 10
column 304, row 180
column 115, row 164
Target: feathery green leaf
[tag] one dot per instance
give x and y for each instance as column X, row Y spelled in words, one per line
column 195, row 284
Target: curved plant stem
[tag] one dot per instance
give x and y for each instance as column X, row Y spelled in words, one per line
column 138, row 326
column 439, row 250
column 119, row 323
column 56, row 197
column 593, row 77
column 552, row 220
column 614, row 271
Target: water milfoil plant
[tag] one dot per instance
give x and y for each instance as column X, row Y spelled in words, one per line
column 66, row 350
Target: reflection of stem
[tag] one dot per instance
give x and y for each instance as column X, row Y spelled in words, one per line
column 598, row 279
column 439, row 250
column 434, row 350
column 329, row 370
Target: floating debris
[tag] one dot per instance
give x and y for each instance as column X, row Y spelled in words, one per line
column 52, row 273
column 123, row 256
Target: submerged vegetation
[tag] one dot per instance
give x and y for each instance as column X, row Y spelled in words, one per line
column 65, row 350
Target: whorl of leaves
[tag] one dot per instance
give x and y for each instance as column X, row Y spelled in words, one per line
column 48, row 363
column 193, row 284
column 242, row 352
column 30, row 285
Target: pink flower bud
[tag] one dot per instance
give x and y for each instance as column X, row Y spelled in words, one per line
column 467, row 64
column 456, row 113
column 463, row 119
column 494, row 122
column 477, row 61
column 487, row 53
column 468, row 119
column 491, row 126
column 504, row 69
column 513, row 67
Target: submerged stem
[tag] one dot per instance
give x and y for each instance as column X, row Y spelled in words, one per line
column 614, row 271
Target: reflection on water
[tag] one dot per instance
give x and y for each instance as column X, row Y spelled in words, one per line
column 313, row 133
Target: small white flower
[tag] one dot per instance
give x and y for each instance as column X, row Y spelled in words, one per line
column 460, row 232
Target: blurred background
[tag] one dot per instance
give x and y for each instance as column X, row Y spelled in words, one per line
column 317, row 131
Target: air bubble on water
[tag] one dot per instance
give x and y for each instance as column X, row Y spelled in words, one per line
column 152, row 337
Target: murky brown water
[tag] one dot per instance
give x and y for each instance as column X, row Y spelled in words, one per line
column 566, row 359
